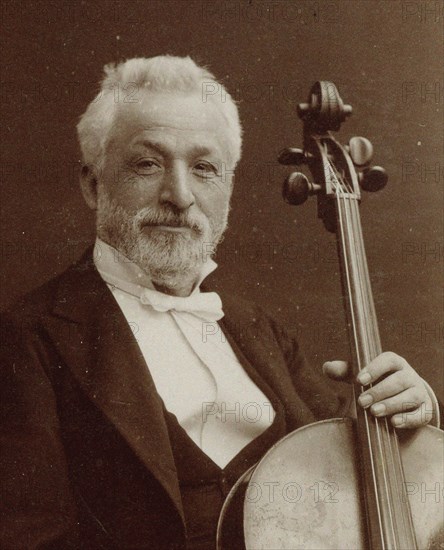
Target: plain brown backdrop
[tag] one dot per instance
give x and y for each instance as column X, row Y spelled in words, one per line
column 384, row 56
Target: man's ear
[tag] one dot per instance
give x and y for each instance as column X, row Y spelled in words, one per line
column 88, row 184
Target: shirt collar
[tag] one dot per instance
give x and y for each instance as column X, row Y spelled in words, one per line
column 117, row 270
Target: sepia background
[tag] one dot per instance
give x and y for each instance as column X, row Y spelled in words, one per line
column 384, row 56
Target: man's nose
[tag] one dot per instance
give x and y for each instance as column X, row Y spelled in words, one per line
column 176, row 189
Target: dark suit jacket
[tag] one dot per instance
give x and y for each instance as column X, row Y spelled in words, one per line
column 85, row 455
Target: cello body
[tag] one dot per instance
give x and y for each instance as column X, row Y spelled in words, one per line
column 301, row 496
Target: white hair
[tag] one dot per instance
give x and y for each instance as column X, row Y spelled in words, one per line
column 164, row 73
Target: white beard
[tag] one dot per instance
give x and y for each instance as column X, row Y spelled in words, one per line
column 168, row 258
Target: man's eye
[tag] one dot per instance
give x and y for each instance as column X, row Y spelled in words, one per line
column 147, row 166
column 205, row 169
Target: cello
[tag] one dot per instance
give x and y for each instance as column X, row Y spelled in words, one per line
column 346, row 483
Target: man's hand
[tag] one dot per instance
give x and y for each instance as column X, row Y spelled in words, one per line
column 397, row 389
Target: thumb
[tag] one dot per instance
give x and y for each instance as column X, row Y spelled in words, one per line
column 337, row 370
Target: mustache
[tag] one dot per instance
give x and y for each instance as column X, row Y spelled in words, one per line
column 171, row 218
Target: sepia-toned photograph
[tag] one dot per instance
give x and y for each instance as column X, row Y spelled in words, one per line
column 222, row 310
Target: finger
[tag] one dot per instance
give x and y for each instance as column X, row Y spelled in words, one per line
column 385, row 363
column 408, row 400
column 337, row 370
column 390, row 386
column 413, row 419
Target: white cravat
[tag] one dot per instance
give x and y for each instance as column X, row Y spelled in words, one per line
column 205, row 305
column 192, row 364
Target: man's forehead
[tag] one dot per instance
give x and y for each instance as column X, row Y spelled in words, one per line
column 160, row 117
column 185, row 111
column 170, row 114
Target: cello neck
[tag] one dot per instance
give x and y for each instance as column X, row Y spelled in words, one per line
column 388, row 513
column 357, row 292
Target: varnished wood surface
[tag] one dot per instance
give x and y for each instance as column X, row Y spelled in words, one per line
column 305, row 493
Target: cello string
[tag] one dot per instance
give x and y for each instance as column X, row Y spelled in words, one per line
column 344, row 211
column 362, row 296
column 391, row 447
column 337, row 189
column 382, row 431
column 387, row 431
column 347, row 201
column 387, row 443
column 350, row 207
column 339, row 198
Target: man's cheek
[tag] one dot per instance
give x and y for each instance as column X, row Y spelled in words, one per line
column 130, row 198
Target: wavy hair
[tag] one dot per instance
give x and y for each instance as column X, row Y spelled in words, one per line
column 164, row 73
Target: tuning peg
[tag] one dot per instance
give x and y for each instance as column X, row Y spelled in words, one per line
column 297, row 188
column 361, row 150
column 293, row 156
column 373, row 179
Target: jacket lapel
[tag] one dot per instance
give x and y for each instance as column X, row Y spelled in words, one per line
column 250, row 336
column 98, row 346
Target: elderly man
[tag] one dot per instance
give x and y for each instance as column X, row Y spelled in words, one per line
column 124, row 423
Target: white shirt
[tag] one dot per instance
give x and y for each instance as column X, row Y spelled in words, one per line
column 193, row 366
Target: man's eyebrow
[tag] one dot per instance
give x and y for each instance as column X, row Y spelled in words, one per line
column 197, row 150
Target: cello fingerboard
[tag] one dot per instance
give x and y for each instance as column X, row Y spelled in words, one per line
column 388, row 514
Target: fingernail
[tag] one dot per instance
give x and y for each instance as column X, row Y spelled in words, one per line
column 398, row 421
column 365, row 400
column 379, row 409
column 364, row 378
